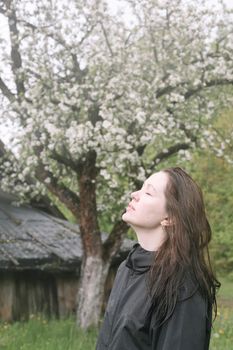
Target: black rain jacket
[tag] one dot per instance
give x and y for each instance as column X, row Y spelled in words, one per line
column 126, row 325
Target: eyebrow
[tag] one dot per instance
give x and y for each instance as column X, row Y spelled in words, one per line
column 149, row 185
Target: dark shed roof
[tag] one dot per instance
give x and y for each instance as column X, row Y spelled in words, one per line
column 32, row 239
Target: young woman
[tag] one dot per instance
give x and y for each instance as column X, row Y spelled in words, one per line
column 164, row 291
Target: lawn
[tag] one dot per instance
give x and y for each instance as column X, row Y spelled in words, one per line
column 222, row 333
column 226, row 290
column 39, row 334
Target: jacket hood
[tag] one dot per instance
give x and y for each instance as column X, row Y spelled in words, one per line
column 139, row 260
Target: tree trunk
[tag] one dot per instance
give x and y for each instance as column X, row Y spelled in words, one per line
column 94, row 270
column 91, row 291
column 97, row 257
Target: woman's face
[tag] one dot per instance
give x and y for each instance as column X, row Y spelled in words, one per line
column 147, row 208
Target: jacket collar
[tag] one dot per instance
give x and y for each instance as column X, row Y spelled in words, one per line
column 139, row 259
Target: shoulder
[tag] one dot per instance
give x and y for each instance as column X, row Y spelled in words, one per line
column 121, row 270
column 190, row 296
column 188, row 288
column 121, row 266
column 190, row 302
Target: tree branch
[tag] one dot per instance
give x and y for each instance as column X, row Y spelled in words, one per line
column 106, row 39
column 191, row 92
column 80, row 73
column 188, row 133
column 207, row 84
column 15, row 50
column 169, row 152
column 57, row 38
column 6, row 91
column 112, row 244
column 62, row 192
column 166, row 90
column 2, row 9
column 65, row 160
column 43, row 202
column 3, row 150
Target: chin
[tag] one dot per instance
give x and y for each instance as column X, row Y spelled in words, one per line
column 124, row 217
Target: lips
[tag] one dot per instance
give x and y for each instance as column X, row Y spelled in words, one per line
column 130, row 207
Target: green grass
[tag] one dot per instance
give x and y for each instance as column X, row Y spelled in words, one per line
column 226, row 290
column 40, row 334
column 222, row 332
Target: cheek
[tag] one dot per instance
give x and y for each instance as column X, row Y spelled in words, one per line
column 157, row 209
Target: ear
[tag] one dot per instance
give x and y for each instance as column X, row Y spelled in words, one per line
column 166, row 222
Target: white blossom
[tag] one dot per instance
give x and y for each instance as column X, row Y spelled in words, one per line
column 129, row 89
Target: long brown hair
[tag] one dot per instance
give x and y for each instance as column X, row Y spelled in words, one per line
column 185, row 248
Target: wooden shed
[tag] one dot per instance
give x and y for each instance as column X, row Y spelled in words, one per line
column 40, row 260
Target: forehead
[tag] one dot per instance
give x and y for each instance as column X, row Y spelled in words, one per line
column 158, row 180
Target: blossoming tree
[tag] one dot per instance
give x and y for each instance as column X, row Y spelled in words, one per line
column 90, row 92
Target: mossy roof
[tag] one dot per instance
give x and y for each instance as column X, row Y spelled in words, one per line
column 32, row 239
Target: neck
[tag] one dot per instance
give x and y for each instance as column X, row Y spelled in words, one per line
column 150, row 239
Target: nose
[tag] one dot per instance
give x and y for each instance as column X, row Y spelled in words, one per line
column 135, row 195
